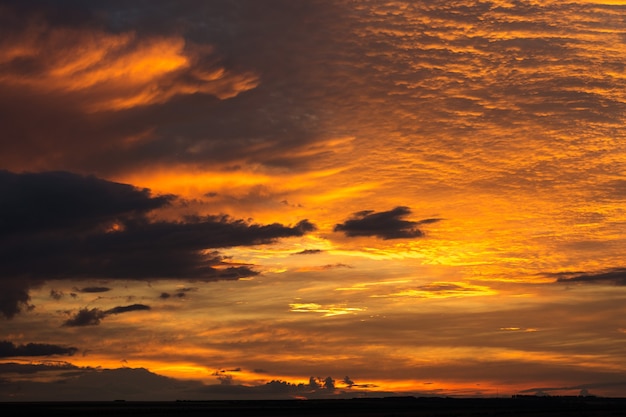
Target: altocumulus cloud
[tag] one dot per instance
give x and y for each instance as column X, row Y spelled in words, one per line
column 59, row 225
column 384, row 224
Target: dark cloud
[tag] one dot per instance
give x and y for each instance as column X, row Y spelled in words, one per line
column 616, row 276
column 180, row 293
column 139, row 384
column 253, row 101
column 126, row 309
column 14, row 296
column 309, row 252
column 92, row 384
column 93, row 289
column 347, row 381
column 278, row 389
column 85, row 317
column 584, row 388
column 33, row 368
column 385, row 224
column 55, row 294
column 9, row 349
column 93, row 317
column 44, row 202
column 58, row 225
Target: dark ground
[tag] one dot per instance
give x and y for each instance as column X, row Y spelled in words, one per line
column 380, row 407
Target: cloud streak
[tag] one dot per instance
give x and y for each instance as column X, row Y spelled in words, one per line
column 93, row 316
column 616, row 276
column 9, row 350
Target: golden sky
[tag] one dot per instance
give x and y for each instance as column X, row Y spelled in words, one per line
column 321, row 198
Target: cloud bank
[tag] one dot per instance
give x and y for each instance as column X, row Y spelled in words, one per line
column 59, row 225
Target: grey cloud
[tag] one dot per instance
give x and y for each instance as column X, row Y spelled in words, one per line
column 180, row 293
column 91, row 384
column 274, row 120
column 93, row 289
column 56, row 295
column 584, row 388
column 9, row 349
column 85, row 317
column 616, row 276
column 385, row 224
column 137, row 384
column 93, row 316
column 308, row 252
column 41, row 202
column 126, row 309
column 58, row 225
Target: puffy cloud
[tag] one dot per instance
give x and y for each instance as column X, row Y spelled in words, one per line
column 58, row 225
column 85, row 317
column 385, row 224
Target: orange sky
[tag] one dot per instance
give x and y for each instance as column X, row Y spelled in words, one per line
column 420, row 198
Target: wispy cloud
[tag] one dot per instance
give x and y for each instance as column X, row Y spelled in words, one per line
column 9, row 349
column 93, row 316
column 616, row 276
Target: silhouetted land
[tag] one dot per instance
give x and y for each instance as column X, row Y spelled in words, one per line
column 372, row 407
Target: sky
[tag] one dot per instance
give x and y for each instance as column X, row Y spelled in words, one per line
column 268, row 199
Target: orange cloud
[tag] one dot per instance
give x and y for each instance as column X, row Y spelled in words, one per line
column 107, row 71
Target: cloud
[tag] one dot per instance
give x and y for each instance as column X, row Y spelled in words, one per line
column 93, row 289
column 126, row 309
column 91, row 384
column 47, row 201
column 95, row 384
column 584, row 388
column 9, row 349
column 385, row 224
column 327, row 267
column 59, row 225
column 56, row 295
column 616, row 276
column 93, row 317
column 180, row 293
column 105, row 70
column 85, row 317
column 105, row 87
column 309, row 252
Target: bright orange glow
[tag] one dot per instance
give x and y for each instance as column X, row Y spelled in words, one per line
column 117, row 71
column 460, row 166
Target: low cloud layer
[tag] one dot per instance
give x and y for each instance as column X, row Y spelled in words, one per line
column 9, row 350
column 384, row 225
column 58, row 225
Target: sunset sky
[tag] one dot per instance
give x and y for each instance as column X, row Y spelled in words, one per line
column 220, row 199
